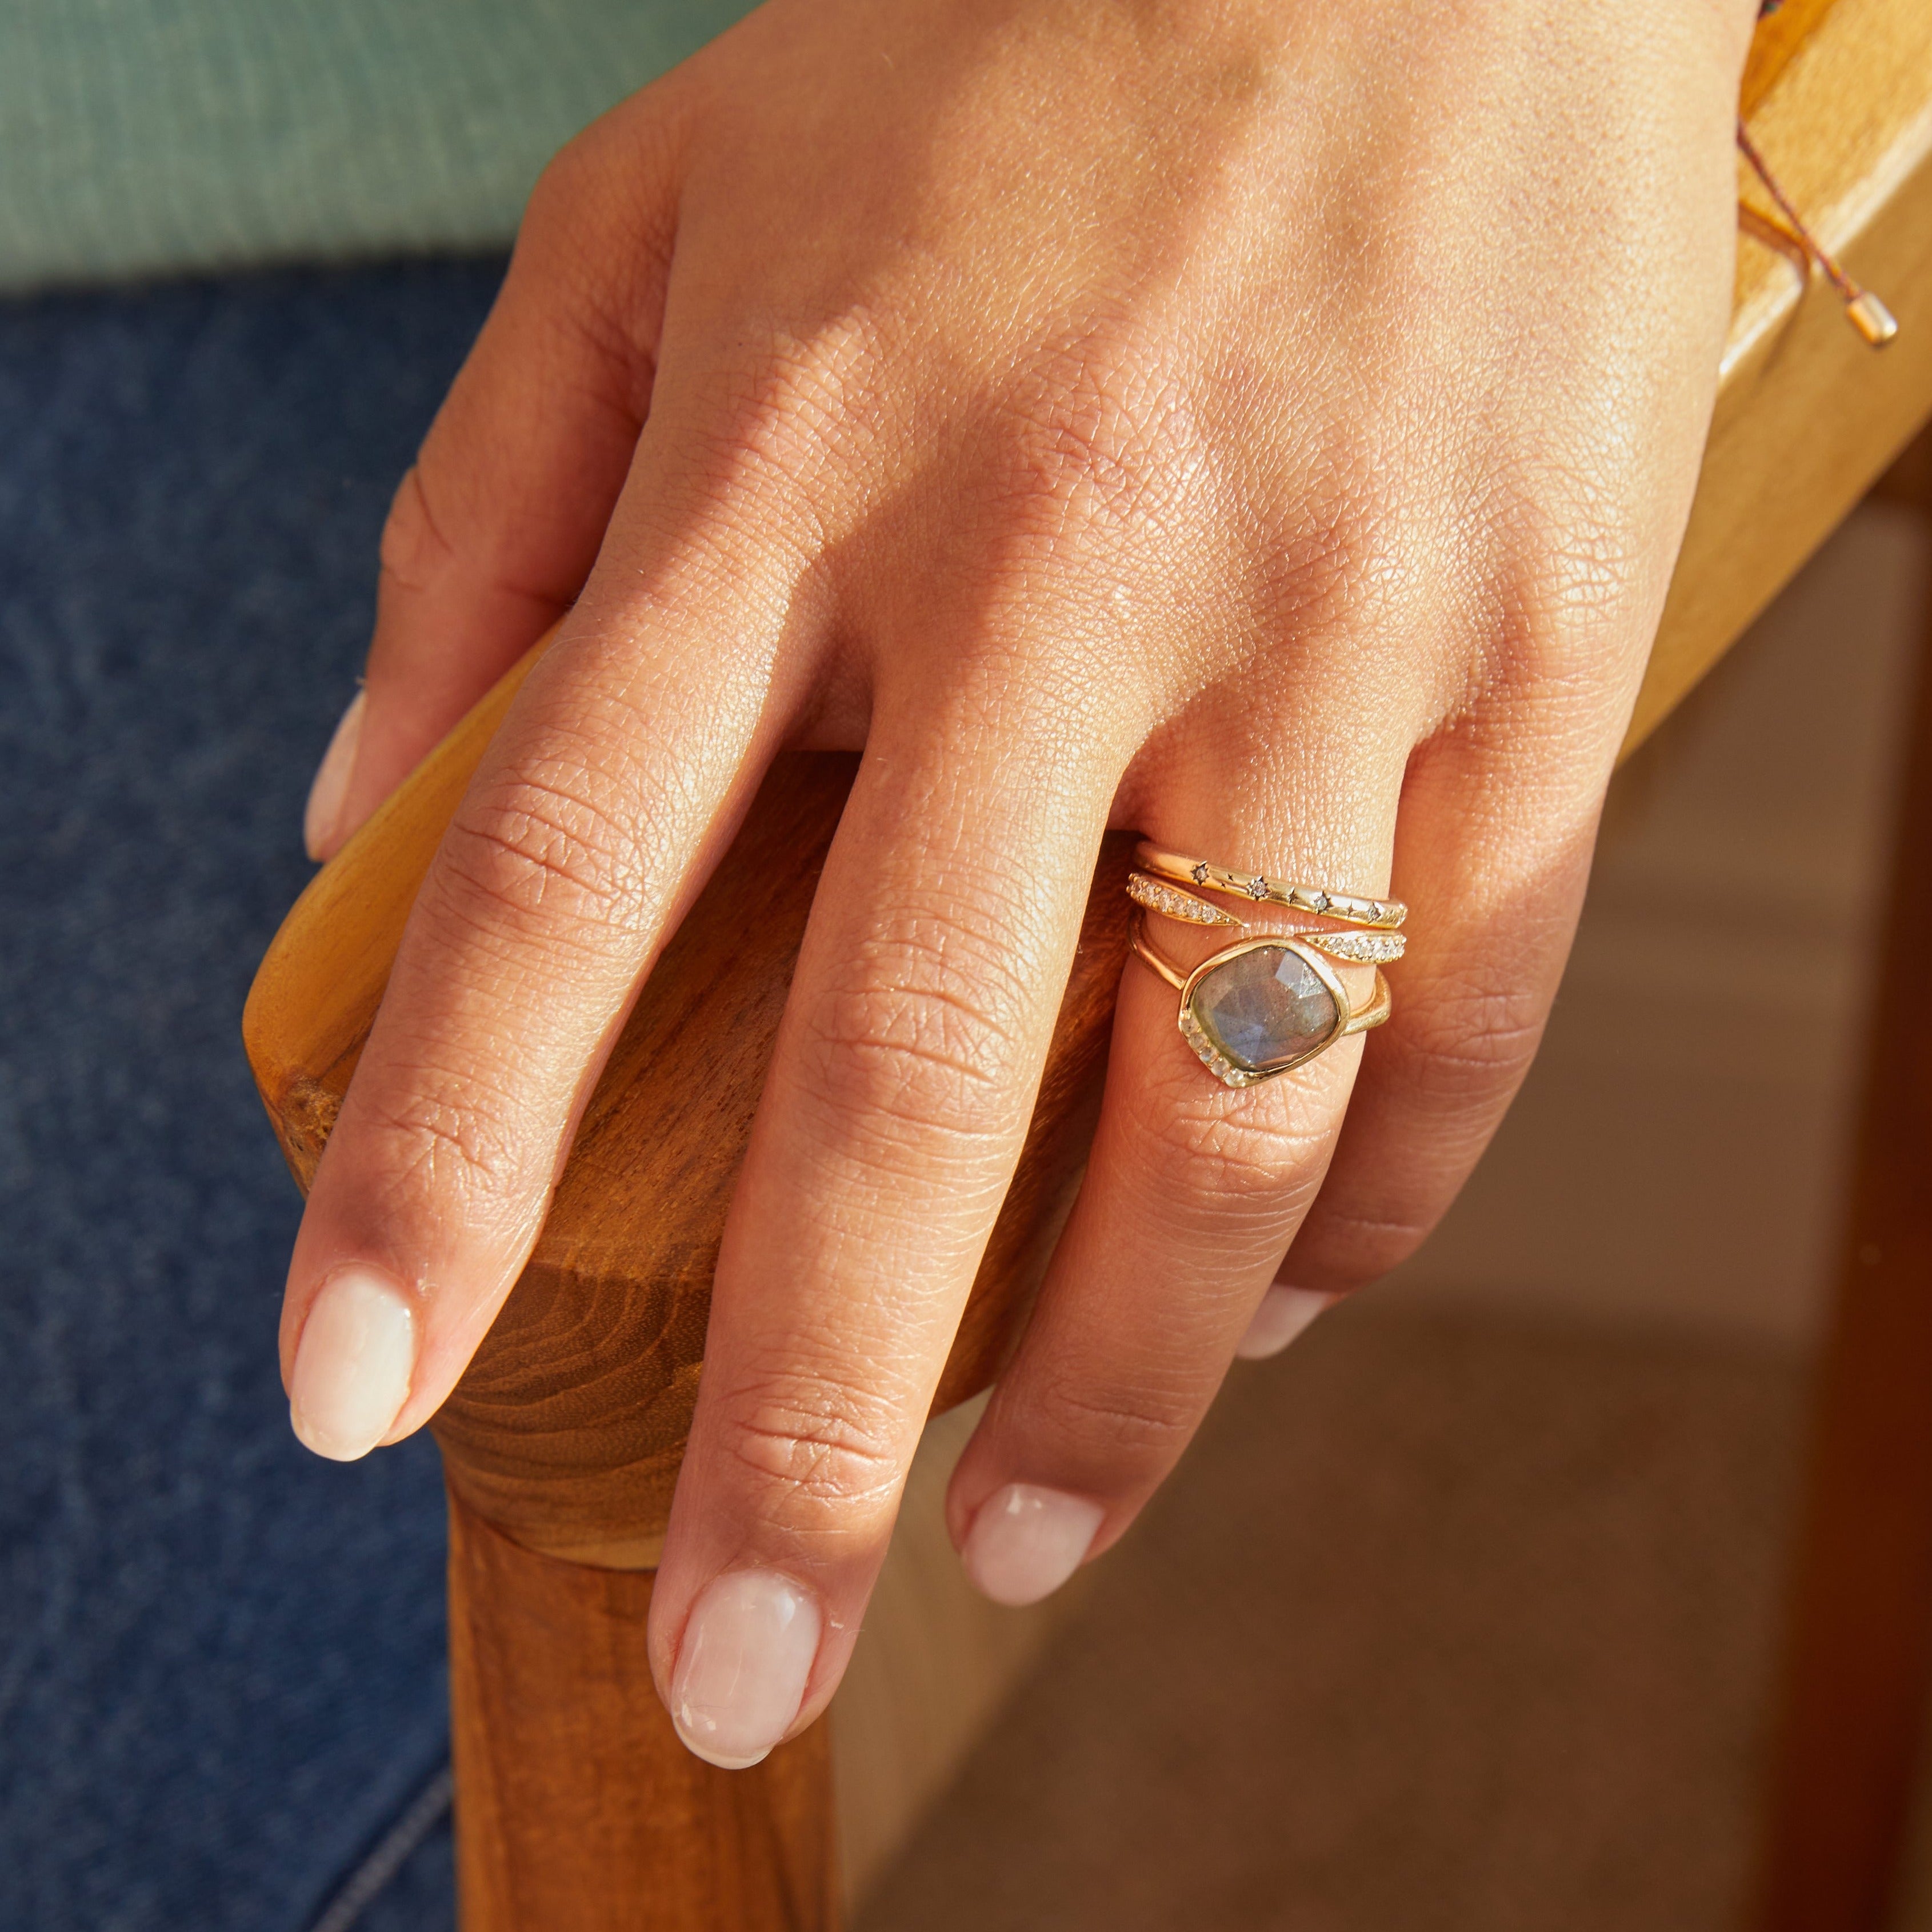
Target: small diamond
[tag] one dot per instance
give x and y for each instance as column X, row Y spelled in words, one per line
column 1257, row 887
column 1201, row 873
column 1321, row 903
column 1175, row 903
column 1372, row 948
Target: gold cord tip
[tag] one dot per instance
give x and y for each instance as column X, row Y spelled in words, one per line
column 1871, row 318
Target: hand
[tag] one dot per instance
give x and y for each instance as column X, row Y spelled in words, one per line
column 1266, row 423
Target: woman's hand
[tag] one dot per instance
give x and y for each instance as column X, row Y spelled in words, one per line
column 1266, row 423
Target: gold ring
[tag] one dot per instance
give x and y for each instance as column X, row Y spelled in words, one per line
column 1263, row 1006
column 1353, row 949
column 1354, row 907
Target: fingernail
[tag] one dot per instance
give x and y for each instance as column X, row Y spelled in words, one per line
column 353, row 1363
column 1283, row 1314
column 331, row 785
column 1026, row 1541
column 742, row 1672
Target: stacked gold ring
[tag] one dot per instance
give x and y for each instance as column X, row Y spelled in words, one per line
column 1271, row 1002
column 1351, row 907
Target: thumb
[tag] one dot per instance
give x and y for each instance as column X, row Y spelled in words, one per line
column 495, row 528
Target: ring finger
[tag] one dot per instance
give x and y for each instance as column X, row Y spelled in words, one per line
column 1195, row 1189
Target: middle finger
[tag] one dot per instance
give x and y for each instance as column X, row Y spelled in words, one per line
column 897, row 1100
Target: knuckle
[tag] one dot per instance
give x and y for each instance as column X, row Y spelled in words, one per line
column 535, row 848
column 1099, row 437
column 586, row 281
column 1352, row 1246
column 1120, row 1432
column 449, row 1136
column 593, row 190
column 1258, row 1152
column 918, row 1035
column 817, row 1446
column 1250, row 1160
column 785, row 416
column 1472, row 1039
column 1571, row 578
column 1338, row 522
column 574, row 177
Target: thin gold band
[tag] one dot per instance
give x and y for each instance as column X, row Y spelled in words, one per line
column 1145, row 947
column 1354, row 907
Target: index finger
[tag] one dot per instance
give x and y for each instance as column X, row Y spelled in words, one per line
column 626, row 761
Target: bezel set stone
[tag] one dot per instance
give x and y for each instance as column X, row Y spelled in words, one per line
column 1259, row 967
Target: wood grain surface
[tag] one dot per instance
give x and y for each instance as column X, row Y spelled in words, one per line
column 1808, row 416
column 577, row 1809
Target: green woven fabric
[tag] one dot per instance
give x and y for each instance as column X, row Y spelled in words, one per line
column 140, row 137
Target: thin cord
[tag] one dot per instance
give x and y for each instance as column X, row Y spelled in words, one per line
column 1869, row 315
column 1816, row 249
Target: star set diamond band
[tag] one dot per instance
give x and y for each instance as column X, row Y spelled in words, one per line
column 1350, row 907
column 1272, row 1001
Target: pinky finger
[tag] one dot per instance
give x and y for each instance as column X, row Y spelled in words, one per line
column 1492, row 859
column 1285, row 1315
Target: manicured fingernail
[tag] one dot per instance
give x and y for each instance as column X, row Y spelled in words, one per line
column 1026, row 1541
column 1283, row 1314
column 331, row 785
column 741, row 1671
column 353, row 1363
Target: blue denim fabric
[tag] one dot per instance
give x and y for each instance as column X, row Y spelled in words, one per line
column 221, row 1659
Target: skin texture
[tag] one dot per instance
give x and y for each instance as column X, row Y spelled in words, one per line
column 1269, row 426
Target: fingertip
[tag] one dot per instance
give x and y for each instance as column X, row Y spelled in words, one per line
column 1285, row 1312
column 329, row 790
column 354, row 1364
column 1026, row 1540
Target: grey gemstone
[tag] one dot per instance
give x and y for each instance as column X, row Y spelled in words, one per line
column 1265, row 1008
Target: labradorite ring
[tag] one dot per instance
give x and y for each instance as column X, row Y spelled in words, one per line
column 1270, row 1001
column 1263, row 1006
